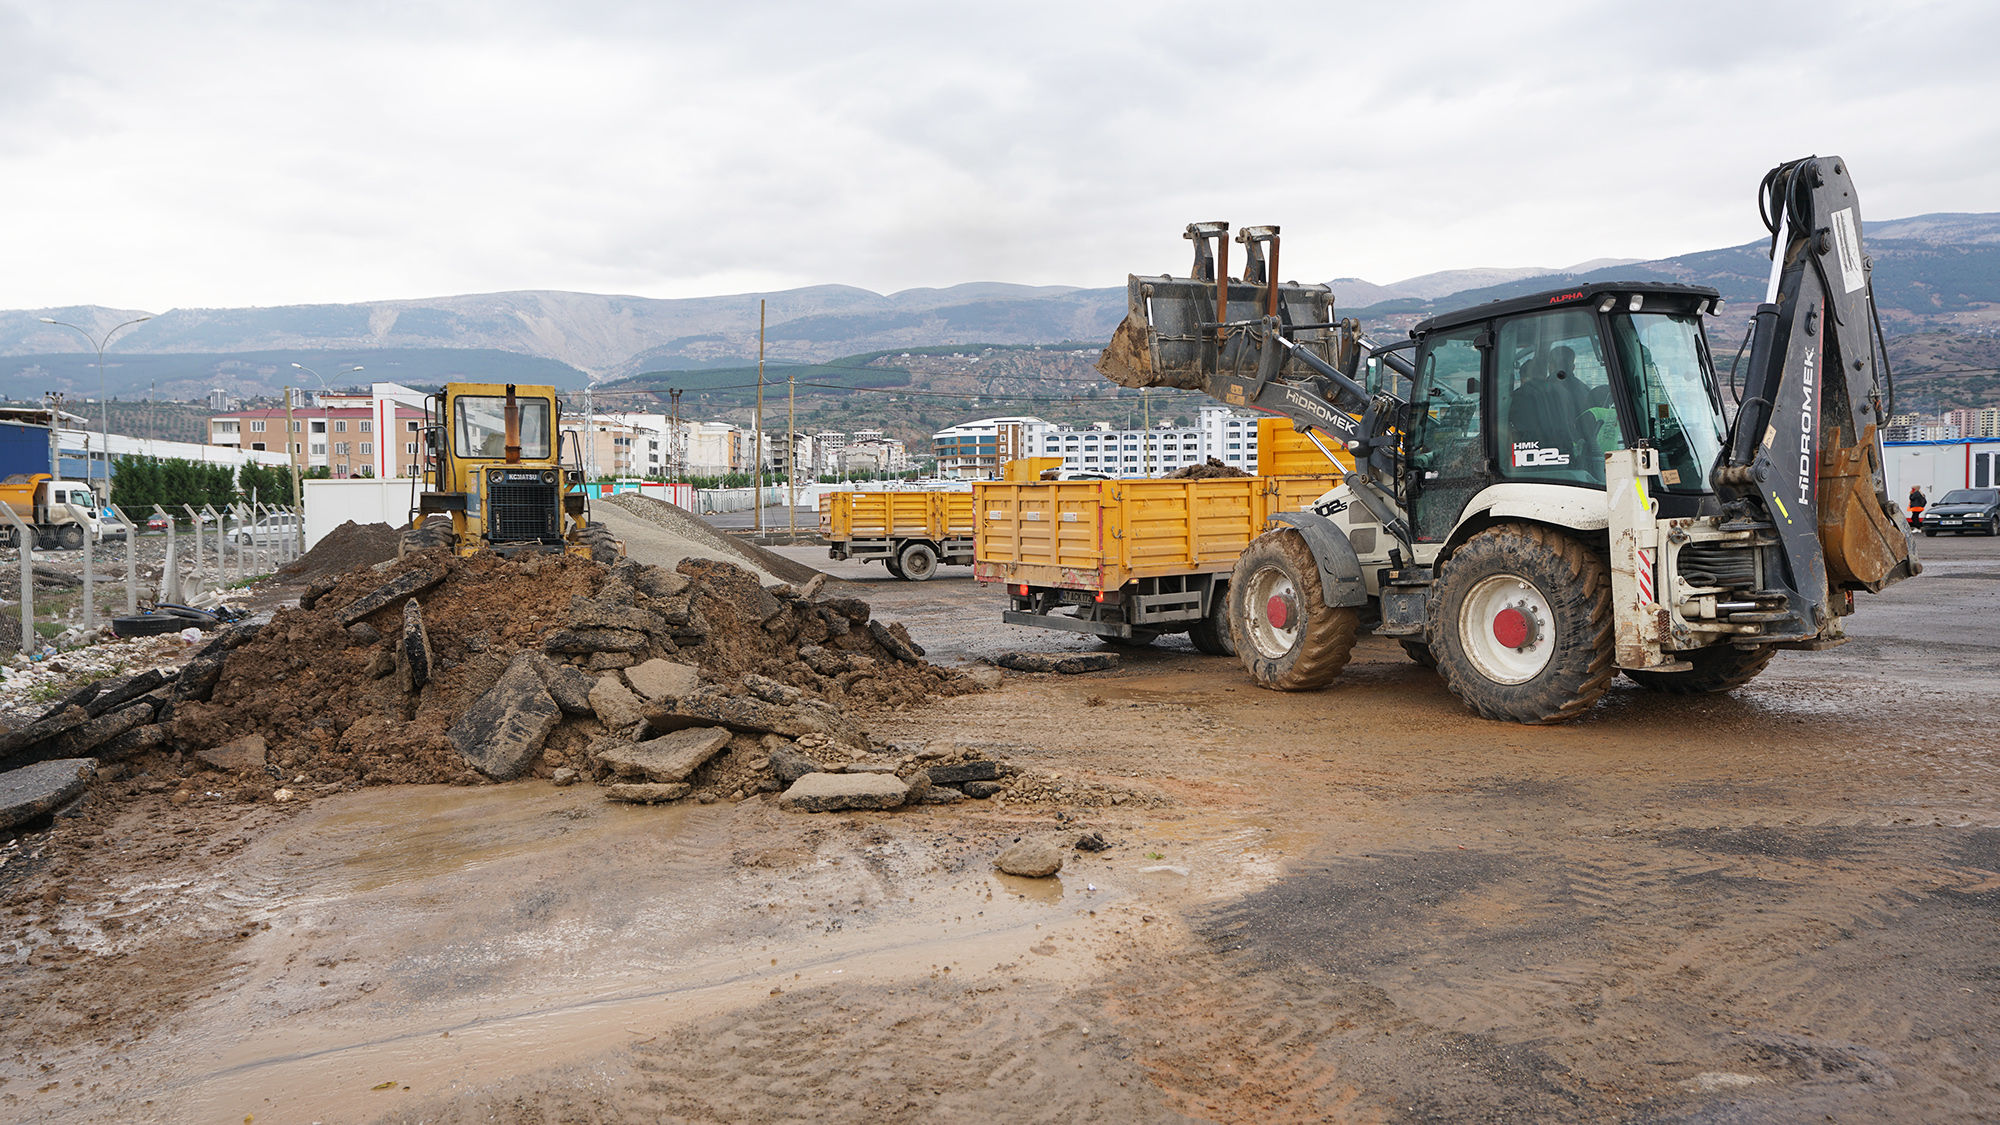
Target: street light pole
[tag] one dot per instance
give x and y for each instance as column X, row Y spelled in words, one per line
column 104, row 404
column 326, row 412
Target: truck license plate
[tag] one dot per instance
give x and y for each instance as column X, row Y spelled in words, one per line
column 1079, row 597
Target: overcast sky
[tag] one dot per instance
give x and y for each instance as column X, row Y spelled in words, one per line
column 157, row 155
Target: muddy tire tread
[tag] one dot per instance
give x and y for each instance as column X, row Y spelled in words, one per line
column 1721, row 668
column 1324, row 645
column 1577, row 583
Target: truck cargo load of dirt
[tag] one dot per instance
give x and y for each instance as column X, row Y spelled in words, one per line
column 345, row 548
column 448, row 669
column 1209, row 471
column 687, row 525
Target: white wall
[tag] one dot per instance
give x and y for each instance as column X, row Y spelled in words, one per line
column 1937, row 469
column 330, row 503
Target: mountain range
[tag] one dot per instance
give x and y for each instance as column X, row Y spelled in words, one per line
column 1930, row 270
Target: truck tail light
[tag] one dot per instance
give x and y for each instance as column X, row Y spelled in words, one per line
column 1100, row 595
column 1024, row 589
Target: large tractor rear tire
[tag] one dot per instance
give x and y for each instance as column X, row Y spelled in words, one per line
column 1211, row 634
column 1286, row 635
column 1719, row 668
column 1521, row 625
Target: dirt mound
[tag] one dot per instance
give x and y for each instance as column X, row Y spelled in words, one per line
column 1209, row 471
column 347, row 547
column 687, row 525
column 383, row 676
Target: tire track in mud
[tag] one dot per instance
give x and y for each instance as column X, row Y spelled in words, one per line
column 1833, row 971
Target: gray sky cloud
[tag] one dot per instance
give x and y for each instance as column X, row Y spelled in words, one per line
column 157, row 156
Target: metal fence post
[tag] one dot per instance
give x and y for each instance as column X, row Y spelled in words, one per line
column 25, row 535
column 170, row 574
column 194, row 528
column 131, row 560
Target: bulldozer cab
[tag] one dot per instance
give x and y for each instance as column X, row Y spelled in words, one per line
column 1536, row 390
column 495, row 476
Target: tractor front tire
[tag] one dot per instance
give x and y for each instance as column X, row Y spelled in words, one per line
column 1288, row 638
column 1718, row 668
column 603, row 545
column 430, row 532
column 70, row 536
column 1522, row 625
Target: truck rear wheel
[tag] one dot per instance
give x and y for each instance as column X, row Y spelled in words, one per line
column 1211, row 634
column 1719, row 668
column 917, row 562
column 1286, row 635
column 1521, row 625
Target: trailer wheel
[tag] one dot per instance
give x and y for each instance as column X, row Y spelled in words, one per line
column 890, row 564
column 1718, row 668
column 1140, row 638
column 70, row 535
column 1522, row 625
column 1286, row 635
column 10, row 537
column 1211, row 634
column 917, row 561
column 1420, row 652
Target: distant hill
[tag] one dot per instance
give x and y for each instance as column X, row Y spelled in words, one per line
column 1930, row 271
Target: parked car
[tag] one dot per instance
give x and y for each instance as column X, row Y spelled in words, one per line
column 158, row 523
column 268, row 531
column 112, row 531
column 1964, row 509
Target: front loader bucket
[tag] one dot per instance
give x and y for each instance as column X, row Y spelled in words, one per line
column 1172, row 336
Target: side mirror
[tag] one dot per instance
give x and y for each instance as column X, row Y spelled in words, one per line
column 1472, row 385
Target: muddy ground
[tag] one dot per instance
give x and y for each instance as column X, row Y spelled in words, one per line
column 1361, row 904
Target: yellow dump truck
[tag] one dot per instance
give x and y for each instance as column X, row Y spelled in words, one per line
column 62, row 513
column 1129, row 559
column 913, row 533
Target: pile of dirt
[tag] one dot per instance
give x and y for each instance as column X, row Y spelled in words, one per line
column 446, row 669
column 1209, row 471
column 687, row 525
column 345, row 548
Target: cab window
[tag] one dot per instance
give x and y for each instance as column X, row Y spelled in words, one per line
column 1553, row 404
column 479, row 426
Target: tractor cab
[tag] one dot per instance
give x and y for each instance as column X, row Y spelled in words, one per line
column 1534, row 391
column 495, row 471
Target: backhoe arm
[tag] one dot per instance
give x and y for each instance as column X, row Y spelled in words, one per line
column 1804, row 452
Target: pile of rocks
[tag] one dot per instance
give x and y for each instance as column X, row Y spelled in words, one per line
column 691, row 682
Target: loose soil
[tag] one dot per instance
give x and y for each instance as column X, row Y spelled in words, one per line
column 1360, row 904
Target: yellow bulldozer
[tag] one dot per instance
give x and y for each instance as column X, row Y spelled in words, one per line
column 500, row 474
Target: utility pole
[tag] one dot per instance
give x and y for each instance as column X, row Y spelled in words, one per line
column 1146, row 442
column 757, row 474
column 792, row 450
column 292, row 454
column 55, row 423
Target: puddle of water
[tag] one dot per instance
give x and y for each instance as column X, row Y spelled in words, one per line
column 1047, row 891
column 471, row 934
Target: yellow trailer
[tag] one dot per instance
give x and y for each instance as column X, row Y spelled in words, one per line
column 911, row 532
column 1128, row 559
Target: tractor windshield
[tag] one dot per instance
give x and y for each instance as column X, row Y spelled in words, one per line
column 1672, row 387
column 479, row 423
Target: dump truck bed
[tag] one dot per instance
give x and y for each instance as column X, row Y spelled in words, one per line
column 1100, row 535
column 931, row 516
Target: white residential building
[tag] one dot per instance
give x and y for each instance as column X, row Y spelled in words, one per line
column 979, row 448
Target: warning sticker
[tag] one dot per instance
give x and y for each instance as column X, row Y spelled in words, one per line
column 1847, row 241
column 1530, row 454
